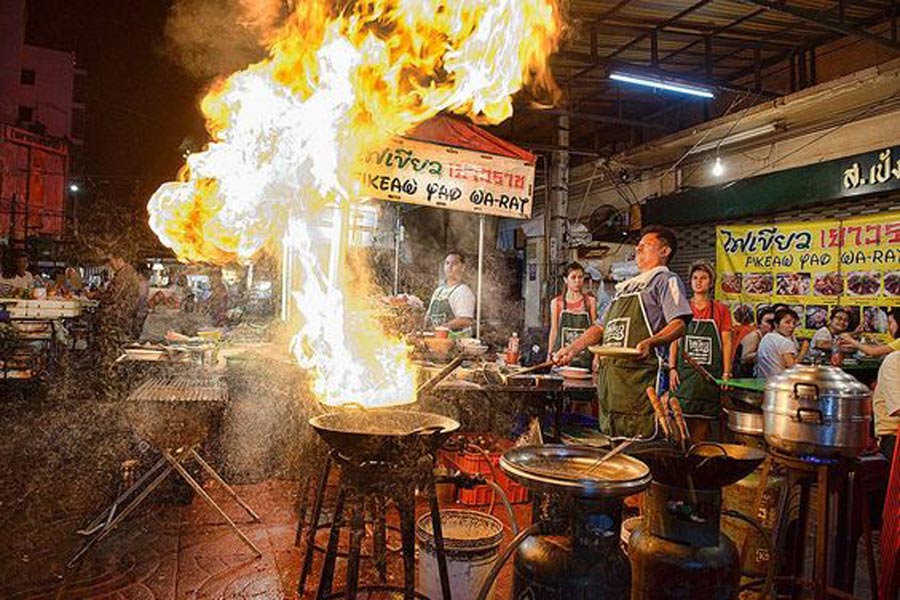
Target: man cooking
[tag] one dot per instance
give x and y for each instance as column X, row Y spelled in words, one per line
column 453, row 303
column 647, row 313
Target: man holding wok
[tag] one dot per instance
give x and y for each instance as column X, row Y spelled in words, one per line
column 647, row 313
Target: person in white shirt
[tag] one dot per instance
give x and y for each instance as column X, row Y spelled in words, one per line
column 453, row 303
column 18, row 276
column 778, row 350
column 886, row 399
column 825, row 337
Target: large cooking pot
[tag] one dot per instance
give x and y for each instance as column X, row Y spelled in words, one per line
column 817, row 411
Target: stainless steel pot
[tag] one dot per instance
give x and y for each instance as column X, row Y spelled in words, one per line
column 817, row 410
column 745, row 421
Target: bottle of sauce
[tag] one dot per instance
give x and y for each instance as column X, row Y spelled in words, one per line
column 512, row 349
column 837, row 355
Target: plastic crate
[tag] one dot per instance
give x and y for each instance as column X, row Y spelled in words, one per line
column 475, row 463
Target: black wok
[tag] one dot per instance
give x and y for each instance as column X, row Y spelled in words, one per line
column 706, row 465
column 383, row 434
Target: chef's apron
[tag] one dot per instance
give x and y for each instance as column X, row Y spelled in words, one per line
column 440, row 311
column 698, row 396
column 572, row 323
column 625, row 410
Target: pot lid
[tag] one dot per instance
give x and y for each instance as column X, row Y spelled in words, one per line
column 575, row 469
column 809, row 380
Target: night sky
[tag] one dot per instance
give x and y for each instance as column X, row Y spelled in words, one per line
column 141, row 105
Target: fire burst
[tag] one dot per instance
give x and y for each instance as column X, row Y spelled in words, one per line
column 286, row 132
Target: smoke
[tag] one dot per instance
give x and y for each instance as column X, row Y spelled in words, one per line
column 210, row 38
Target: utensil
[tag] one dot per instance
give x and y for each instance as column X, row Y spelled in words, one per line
column 678, row 416
column 505, row 378
column 698, row 367
column 705, row 465
column 609, row 455
column 575, row 372
column 660, row 411
column 440, row 376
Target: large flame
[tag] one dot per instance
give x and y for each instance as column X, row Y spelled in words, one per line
column 287, row 130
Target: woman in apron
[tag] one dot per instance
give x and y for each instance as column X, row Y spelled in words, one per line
column 571, row 313
column 707, row 341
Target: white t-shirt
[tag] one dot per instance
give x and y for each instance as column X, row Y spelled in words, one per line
column 19, row 281
column 886, row 399
column 770, row 355
column 462, row 301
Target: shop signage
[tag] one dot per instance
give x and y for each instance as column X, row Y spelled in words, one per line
column 875, row 172
column 812, row 267
column 426, row 174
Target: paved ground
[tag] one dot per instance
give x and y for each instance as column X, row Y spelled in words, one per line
column 60, row 460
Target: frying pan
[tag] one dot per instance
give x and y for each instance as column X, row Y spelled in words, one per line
column 383, row 434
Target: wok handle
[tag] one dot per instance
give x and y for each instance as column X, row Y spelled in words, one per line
column 819, row 420
column 801, row 384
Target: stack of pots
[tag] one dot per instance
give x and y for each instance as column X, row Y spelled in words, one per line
column 818, row 411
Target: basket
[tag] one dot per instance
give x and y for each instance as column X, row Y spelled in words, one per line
column 460, row 455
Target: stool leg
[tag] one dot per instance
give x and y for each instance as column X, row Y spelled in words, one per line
column 821, row 561
column 327, row 578
column 302, row 506
column 438, row 538
column 357, row 532
column 379, row 539
column 870, row 551
column 313, row 525
column 407, row 508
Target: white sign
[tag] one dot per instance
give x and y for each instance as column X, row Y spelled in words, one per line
column 428, row 174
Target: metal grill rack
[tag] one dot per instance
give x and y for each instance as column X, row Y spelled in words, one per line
column 170, row 412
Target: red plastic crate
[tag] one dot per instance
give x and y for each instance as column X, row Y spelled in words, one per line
column 473, row 462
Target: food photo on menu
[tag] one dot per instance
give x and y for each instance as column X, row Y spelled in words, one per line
column 816, row 316
column 758, row 283
column 892, row 284
column 828, row 284
column 731, row 283
column 863, row 283
column 792, row 284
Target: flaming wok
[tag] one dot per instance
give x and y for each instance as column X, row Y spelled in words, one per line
column 383, row 434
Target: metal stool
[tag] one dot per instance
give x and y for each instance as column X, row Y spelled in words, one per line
column 378, row 483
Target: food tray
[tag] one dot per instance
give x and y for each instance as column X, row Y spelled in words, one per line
column 614, row 351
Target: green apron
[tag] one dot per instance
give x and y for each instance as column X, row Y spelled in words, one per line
column 571, row 326
column 439, row 309
column 625, row 410
column 699, row 397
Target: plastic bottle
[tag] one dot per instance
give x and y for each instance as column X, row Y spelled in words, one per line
column 837, row 355
column 512, row 349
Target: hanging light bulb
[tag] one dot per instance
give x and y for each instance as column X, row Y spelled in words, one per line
column 718, row 168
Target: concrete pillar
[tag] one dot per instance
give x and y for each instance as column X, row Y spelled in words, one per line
column 558, row 208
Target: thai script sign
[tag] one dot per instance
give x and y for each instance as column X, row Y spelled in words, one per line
column 812, row 267
column 427, row 174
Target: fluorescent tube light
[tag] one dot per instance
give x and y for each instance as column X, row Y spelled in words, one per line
column 661, row 84
column 733, row 138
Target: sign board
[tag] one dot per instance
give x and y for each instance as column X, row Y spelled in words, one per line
column 813, row 267
column 415, row 172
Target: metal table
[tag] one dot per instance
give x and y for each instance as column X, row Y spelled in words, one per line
column 169, row 393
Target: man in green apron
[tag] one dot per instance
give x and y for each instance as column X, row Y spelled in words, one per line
column 647, row 313
column 452, row 304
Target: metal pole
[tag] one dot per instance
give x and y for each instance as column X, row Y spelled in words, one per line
column 480, row 273
column 339, row 241
column 398, row 232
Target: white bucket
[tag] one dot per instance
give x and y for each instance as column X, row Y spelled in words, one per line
column 471, row 543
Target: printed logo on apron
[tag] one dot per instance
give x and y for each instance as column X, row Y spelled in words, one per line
column 700, row 348
column 616, row 332
column 570, row 334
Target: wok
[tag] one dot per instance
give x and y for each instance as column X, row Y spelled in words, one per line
column 383, row 434
column 705, row 466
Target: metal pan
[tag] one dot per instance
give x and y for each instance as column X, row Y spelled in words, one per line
column 575, row 469
column 383, row 434
column 705, row 466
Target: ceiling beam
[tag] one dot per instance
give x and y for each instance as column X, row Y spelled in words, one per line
column 816, row 18
column 609, row 120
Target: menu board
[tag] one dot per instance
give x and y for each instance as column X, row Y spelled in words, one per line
column 813, row 266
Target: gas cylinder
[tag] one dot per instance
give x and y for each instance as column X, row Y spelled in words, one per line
column 679, row 551
column 584, row 562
